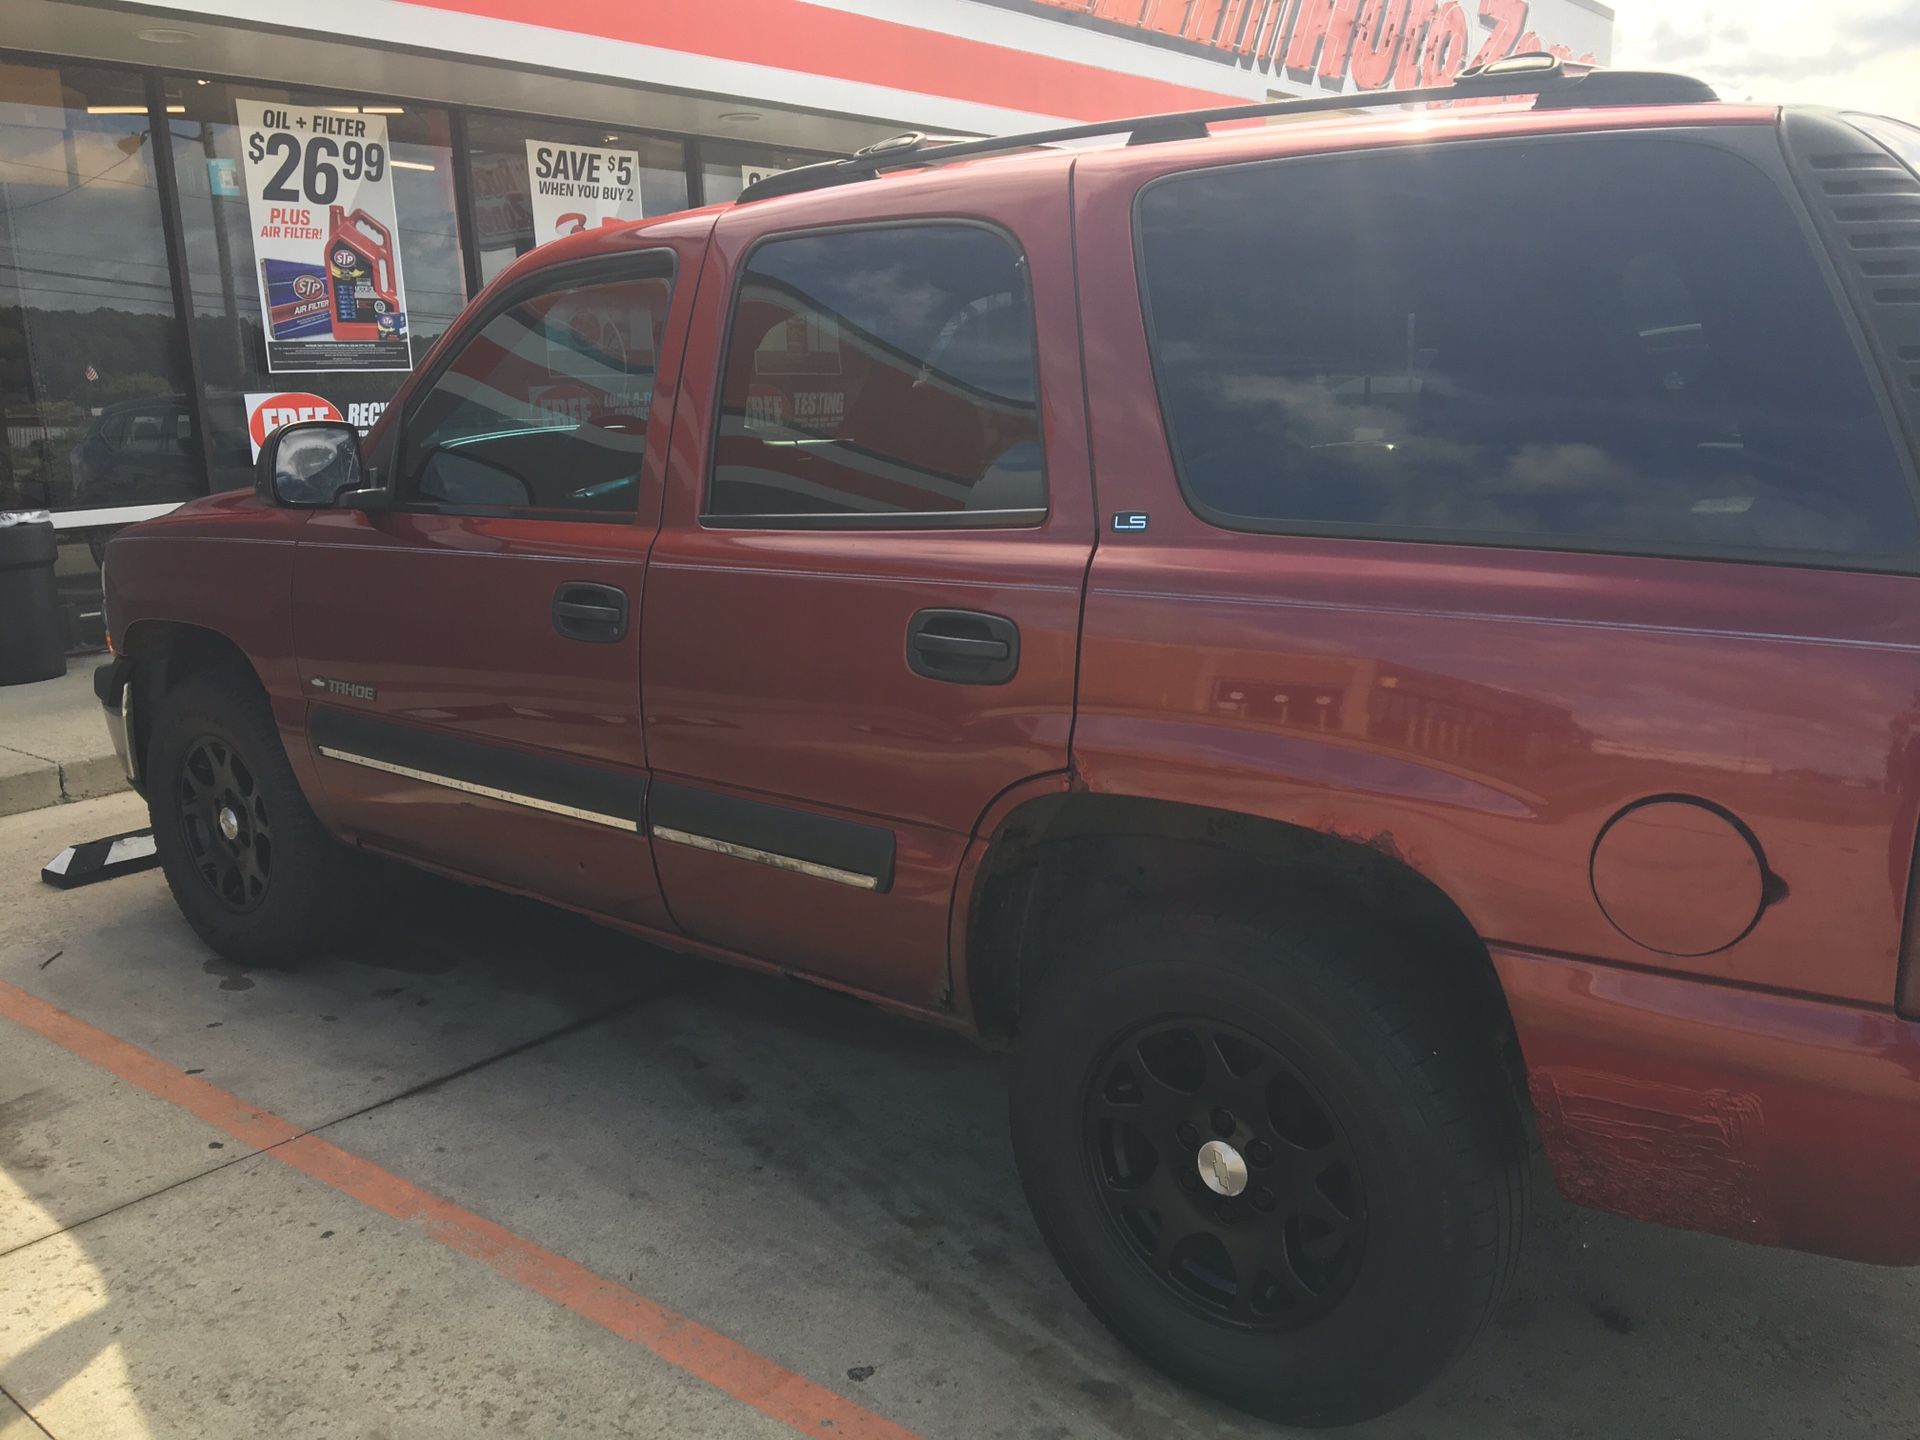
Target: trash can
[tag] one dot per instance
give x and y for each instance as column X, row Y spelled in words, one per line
column 33, row 636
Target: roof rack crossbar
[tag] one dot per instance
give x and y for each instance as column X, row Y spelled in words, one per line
column 1559, row 85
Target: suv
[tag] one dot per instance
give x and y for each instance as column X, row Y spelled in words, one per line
column 1358, row 648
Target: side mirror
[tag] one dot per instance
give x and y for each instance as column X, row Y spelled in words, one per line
column 312, row 464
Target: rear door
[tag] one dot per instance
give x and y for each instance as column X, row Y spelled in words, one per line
column 472, row 654
column 862, row 612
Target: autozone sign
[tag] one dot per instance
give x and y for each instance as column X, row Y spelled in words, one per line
column 1368, row 44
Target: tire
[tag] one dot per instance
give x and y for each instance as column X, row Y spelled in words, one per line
column 280, row 889
column 1366, row 1112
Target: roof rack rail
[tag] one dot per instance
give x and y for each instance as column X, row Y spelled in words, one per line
column 1559, row 84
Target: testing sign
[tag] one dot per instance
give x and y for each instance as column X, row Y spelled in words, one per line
column 320, row 199
column 580, row 187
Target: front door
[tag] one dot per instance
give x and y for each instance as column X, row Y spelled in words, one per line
column 862, row 614
column 471, row 655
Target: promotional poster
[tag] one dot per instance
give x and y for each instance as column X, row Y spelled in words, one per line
column 320, row 197
column 580, row 187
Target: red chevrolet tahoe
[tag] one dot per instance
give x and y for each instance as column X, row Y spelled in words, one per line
column 1359, row 647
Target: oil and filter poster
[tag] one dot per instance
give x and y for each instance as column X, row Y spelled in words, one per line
column 320, row 199
column 580, row 187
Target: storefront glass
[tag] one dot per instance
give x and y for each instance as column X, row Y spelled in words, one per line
column 93, row 380
column 727, row 168
column 88, row 336
column 115, row 409
column 210, row 150
column 511, row 212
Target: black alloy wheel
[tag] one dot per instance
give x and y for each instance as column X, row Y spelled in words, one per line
column 1225, row 1173
column 225, row 823
column 250, row 865
column 1274, row 1143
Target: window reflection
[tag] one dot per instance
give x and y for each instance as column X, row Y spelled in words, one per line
column 1526, row 345
column 727, row 168
column 546, row 408
column 92, row 379
column 883, row 371
column 504, row 227
column 224, row 274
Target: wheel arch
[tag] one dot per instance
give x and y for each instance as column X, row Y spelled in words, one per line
column 166, row 652
column 1064, row 860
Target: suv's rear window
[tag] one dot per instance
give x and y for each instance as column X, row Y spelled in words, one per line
column 1617, row 344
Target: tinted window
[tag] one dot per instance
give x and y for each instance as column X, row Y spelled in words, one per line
column 1618, row 344
column 879, row 372
column 546, row 408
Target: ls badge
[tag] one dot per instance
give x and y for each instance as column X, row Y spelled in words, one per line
column 1130, row 520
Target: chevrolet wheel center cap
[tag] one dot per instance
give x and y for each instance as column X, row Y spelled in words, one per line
column 230, row 827
column 1222, row 1168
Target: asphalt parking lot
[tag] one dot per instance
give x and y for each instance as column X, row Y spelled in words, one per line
column 498, row 1172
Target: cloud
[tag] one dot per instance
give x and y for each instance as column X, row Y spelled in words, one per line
column 1858, row 54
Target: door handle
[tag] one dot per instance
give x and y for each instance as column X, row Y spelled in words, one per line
column 963, row 647
column 596, row 614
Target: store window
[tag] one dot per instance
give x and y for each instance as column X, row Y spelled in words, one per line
column 536, row 180
column 882, row 372
column 727, row 168
column 87, row 323
column 322, row 250
column 93, row 386
column 545, row 409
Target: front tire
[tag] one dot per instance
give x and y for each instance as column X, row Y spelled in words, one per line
column 247, row 860
column 1280, row 1159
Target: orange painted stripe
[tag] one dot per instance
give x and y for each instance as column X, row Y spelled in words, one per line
column 230, row 1113
column 727, row 1365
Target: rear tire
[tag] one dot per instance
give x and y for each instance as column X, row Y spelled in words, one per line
column 247, row 860
column 1361, row 1106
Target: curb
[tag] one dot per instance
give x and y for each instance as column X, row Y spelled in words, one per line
column 28, row 782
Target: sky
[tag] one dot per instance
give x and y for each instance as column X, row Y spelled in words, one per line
column 1860, row 54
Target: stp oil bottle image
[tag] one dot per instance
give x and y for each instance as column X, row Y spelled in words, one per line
column 360, row 276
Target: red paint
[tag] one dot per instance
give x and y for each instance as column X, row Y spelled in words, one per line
column 1508, row 18
column 290, row 407
column 359, row 248
column 1407, row 70
column 1322, row 31
column 500, row 676
column 1376, row 41
column 1496, row 711
column 707, row 1355
column 1766, row 1117
column 821, row 40
column 1327, row 39
column 1678, row 877
column 1533, row 653
column 751, row 699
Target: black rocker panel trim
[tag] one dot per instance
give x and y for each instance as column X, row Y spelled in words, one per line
column 498, row 767
column 776, row 829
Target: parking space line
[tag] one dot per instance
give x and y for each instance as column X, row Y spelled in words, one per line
column 728, row 1366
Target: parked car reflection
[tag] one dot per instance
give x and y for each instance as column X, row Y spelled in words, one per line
column 146, row 452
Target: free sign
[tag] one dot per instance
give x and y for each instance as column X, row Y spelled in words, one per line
column 267, row 413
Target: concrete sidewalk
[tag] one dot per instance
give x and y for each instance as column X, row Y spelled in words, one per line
column 53, row 743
